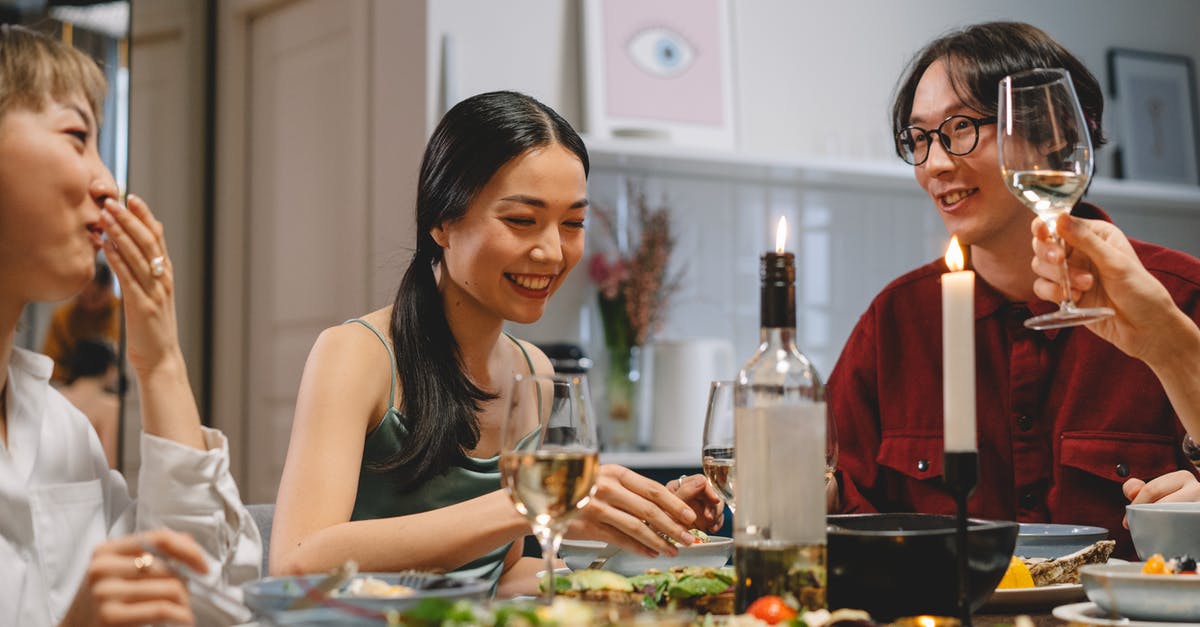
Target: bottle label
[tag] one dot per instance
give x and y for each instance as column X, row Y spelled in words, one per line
column 780, row 460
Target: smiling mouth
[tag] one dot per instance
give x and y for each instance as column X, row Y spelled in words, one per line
column 534, row 282
column 956, row 196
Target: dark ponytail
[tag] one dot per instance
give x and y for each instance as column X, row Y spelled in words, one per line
column 440, row 402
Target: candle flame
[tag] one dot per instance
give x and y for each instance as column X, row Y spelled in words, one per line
column 780, row 234
column 926, row 621
column 954, row 255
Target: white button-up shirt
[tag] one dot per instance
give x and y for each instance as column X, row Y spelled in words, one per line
column 59, row 499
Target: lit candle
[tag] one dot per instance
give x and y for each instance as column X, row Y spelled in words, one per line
column 958, row 352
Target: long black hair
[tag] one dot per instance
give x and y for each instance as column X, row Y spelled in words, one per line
column 978, row 56
column 473, row 140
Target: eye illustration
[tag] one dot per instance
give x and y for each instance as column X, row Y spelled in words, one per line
column 661, row 52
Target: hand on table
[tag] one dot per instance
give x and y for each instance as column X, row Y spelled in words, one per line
column 630, row 510
column 124, row 584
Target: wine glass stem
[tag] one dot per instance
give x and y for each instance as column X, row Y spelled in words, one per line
column 1067, row 302
column 546, row 538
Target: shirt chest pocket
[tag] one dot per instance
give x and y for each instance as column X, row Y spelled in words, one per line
column 915, row 456
column 1117, row 457
column 68, row 520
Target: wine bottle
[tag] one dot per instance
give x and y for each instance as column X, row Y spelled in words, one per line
column 779, row 430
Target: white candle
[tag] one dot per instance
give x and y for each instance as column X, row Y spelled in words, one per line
column 958, row 352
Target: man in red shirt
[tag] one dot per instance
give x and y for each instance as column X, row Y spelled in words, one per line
column 1064, row 418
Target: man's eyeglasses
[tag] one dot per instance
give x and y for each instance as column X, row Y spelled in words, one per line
column 959, row 135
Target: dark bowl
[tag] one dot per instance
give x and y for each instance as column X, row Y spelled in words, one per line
column 894, row 565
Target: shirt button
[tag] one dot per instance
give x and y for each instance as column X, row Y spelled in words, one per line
column 1122, row 470
column 1028, row 499
column 1024, row 423
column 922, row 465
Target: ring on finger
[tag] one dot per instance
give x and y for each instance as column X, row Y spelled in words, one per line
column 143, row 562
column 157, row 266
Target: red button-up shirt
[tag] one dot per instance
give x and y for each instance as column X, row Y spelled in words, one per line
column 1064, row 418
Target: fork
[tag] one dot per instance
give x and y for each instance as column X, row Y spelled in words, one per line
column 603, row 556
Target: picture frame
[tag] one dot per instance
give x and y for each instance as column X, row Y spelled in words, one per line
column 1154, row 110
column 659, row 69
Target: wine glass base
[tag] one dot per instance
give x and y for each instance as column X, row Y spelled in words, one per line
column 1068, row 317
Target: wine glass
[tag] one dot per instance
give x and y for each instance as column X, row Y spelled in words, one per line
column 549, row 456
column 831, row 446
column 717, row 448
column 1046, row 161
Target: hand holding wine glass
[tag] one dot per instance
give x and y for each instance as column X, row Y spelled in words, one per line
column 1046, row 161
column 549, row 458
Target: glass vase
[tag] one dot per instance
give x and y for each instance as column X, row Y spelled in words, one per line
column 622, row 387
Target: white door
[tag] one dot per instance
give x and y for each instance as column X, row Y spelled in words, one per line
column 306, row 257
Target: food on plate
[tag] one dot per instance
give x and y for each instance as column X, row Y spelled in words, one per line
column 705, row 590
column 597, row 585
column 1178, row 565
column 1017, row 575
column 375, row 588
column 771, row 609
column 1065, row 569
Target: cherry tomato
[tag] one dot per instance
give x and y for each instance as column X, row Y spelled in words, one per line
column 770, row 609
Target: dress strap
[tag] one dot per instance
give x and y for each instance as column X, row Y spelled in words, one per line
column 523, row 352
column 391, row 357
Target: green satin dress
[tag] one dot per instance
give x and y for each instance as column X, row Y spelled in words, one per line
column 377, row 496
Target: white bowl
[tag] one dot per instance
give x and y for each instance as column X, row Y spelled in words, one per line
column 1123, row 589
column 1055, row 540
column 1168, row 528
column 578, row 554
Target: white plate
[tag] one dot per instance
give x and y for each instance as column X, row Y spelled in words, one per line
column 714, row 553
column 1041, row 597
column 1089, row 613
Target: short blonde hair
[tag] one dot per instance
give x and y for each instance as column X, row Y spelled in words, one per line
column 34, row 68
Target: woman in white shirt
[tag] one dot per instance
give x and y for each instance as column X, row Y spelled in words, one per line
column 65, row 518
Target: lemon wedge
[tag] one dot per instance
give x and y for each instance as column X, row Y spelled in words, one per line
column 1017, row 575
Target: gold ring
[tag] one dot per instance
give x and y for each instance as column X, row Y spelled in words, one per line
column 157, row 266
column 143, row 562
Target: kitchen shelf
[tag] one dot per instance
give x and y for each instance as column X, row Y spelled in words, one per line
column 652, row 459
column 656, row 157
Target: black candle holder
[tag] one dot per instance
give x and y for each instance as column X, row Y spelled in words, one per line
column 960, row 472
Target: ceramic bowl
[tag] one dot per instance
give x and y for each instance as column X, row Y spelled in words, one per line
column 1055, row 540
column 578, row 554
column 895, row 565
column 1168, row 528
column 1123, row 589
column 273, row 595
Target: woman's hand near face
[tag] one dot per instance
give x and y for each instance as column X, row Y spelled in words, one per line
column 137, row 252
column 630, row 510
column 123, row 586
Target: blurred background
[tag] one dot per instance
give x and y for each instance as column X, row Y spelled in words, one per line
column 279, row 141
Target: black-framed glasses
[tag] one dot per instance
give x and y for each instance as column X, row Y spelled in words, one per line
column 959, row 134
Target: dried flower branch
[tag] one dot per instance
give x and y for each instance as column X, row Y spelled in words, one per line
column 635, row 285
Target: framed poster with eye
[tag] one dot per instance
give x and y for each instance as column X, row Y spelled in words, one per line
column 1155, row 111
column 659, row 69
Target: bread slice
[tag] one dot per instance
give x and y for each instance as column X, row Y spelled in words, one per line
column 1065, row 569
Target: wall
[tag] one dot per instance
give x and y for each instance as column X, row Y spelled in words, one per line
column 812, row 77
column 814, row 80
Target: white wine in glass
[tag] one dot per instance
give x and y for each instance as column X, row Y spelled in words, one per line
column 717, row 449
column 1046, row 161
column 549, row 457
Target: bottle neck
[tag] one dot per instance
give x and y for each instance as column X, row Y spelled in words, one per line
column 778, row 337
column 778, row 304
